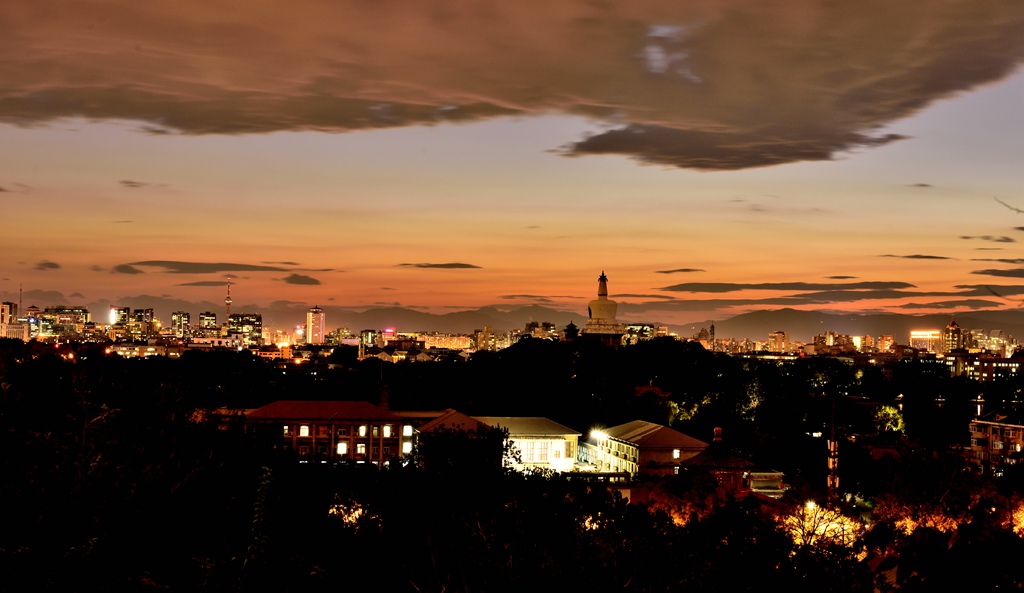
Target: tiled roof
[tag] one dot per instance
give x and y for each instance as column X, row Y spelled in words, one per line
column 649, row 434
column 527, row 426
column 452, row 419
column 320, row 410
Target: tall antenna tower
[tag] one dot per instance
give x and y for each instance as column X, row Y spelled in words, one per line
column 227, row 304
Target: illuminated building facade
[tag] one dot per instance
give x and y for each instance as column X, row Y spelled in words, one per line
column 996, row 440
column 447, row 341
column 952, row 337
column 63, row 321
column 249, row 326
column 778, row 341
column 541, row 443
column 10, row 327
column 207, row 320
column 639, row 447
column 335, row 431
column 180, row 323
column 929, row 340
column 120, row 315
column 315, row 324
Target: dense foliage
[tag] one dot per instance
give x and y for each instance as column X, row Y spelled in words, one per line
column 113, row 481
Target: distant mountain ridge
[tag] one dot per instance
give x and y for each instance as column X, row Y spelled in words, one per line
column 804, row 325
column 756, row 325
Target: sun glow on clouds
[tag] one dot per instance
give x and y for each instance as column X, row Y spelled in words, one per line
column 443, row 140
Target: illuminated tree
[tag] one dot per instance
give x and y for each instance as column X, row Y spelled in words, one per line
column 889, row 418
column 814, row 525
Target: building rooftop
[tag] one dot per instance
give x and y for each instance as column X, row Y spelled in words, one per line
column 649, row 434
column 527, row 426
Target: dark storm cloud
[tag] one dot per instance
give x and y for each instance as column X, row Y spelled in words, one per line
column 76, row 295
column 964, row 304
column 300, row 279
column 452, row 265
column 691, row 149
column 1017, row 273
column 1002, row 239
column 678, row 271
column 47, row 265
column 734, row 287
column 281, row 263
column 184, row 267
column 713, row 85
column 126, row 269
column 917, row 256
column 840, row 277
column 133, row 184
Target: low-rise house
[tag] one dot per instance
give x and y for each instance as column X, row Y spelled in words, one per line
column 541, row 443
column 639, row 447
column 533, row 443
column 333, row 431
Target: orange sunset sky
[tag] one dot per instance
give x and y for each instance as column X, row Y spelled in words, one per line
column 713, row 157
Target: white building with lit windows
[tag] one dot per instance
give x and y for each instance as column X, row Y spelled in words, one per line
column 541, row 443
column 638, row 447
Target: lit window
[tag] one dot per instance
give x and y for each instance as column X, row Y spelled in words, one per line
column 286, row 430
column 362, row 430
column 387, row 431
column 675, row 453
column 375, row 431
column 303, row 431
column 407, row 430
column 361, row 449
column 407, row 448
column 542, row 451
column 342, row 448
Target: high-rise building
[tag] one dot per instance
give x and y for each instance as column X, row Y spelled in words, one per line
column 952, row 337
column 207, row 320
column 120, row 315
column 143, row 315
column 249, row 326
column 180, row 323
column 315, row 324
column 778, row 341
column 8, row 312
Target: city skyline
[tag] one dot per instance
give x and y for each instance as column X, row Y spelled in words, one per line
column 713, row 159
